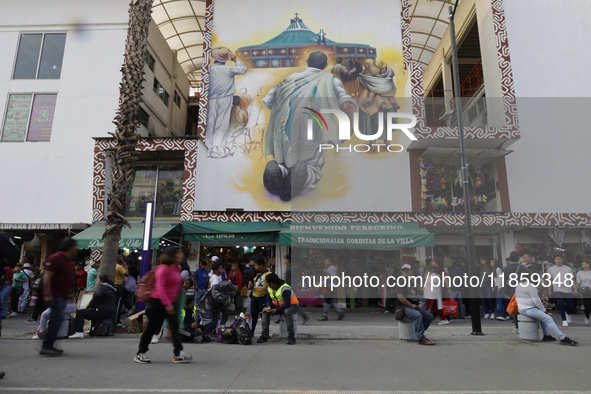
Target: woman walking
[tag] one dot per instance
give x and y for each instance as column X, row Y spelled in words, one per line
column 167, row 288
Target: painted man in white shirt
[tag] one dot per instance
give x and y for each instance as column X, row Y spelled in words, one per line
column 294, row 163
column 221, row 93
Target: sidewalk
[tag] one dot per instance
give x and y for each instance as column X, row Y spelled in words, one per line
column 363, row 324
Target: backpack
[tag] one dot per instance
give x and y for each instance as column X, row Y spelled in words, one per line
column 229, row 335
column 102, row 328
column 243, row 331
column 146, row 286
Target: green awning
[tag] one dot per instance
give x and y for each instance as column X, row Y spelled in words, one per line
column 232, row 232
column 313, row 235
column 131, row 238
column 231, row 227
column 357, row 236
column 234, row 237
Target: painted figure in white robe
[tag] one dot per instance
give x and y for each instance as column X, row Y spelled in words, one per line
column 221, row 92
column 294, row 163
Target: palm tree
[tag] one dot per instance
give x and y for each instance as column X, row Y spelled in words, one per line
column 124, row 156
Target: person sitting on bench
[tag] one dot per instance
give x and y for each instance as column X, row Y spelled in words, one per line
column 102, row 305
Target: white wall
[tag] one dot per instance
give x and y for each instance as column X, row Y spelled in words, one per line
column 549, row 43
column 51, row 182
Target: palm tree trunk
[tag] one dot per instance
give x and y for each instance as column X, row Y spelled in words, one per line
column 123, row 157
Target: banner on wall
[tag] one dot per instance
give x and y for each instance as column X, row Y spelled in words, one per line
column 42, row 117
column 17, row 117
column 306, row 108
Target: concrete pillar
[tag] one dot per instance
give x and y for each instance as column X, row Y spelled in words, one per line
column 406, row 330
column 528, row 328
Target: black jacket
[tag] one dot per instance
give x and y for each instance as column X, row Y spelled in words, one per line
column 9, row 256
column 104, row 299
column 9, row 252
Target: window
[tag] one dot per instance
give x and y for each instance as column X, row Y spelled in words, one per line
column 150, row 62
column 159, row 90
column 162, row 180
column 40, row 56
column 177, row 99
column 28, row 117
column 144, row 118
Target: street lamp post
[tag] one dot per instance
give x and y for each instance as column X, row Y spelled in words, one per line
column 146, row 246
column 475, row 306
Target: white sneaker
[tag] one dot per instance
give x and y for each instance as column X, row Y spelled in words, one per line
column 78, row 335
column 35, row 336
column 443, row 322
column 13, row 314
column 154, row 339
column 182, row 358
column 492, row 316
column 487, row 316
column 586, row 321
column 141, row 358
column 386, row 312
column 516, row 331
column 564, row 323
column 508, row 318
column 500, row 318
column 568, row 318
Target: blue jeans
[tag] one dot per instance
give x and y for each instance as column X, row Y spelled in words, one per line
column 456, row 295
column 563, row 298
column 545, row 321
column 421, row 320
column 55, row 321
column 199, row 295
column 488, row 305
column 502, row 303
column 4, row 295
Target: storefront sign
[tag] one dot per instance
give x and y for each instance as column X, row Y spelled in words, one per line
column 231, row 238
column 42, row 117
column 36, row 226
column 129, row 243
column 353, row 226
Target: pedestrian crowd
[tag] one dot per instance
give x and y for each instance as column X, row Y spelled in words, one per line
column 195, row 306
column 566, row 287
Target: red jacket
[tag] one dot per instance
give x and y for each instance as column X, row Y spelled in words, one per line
column 236, row 279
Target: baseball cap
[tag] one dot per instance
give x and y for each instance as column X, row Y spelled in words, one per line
column 406, row 267
column 215, row 258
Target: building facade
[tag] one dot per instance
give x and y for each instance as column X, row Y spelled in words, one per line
column 59, row 88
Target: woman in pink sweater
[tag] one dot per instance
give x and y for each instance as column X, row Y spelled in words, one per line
column 167, row 287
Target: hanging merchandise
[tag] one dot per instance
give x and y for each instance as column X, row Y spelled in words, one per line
column 557, row 236
column 439, row 183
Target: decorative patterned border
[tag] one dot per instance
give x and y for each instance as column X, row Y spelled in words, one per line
column 204, row 97
column 511, row 131
column 406, row 36
column 189, row 146
column 424, row 219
